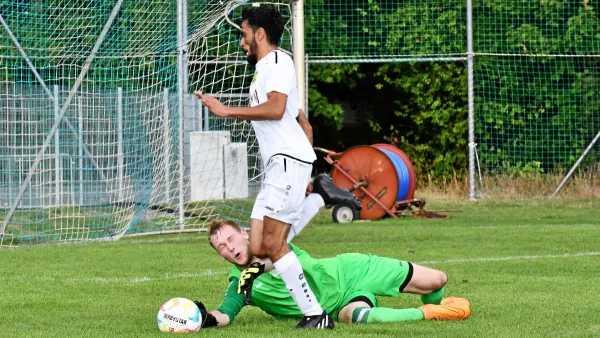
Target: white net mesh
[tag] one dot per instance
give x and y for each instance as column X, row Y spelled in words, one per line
column 90, row 127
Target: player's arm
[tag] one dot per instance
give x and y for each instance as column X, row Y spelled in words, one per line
column 305, row 125
column 272, row 109
column 227, row 311
column 279, row 81
column 232, row 304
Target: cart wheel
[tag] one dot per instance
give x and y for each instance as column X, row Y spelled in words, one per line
column 344, row 214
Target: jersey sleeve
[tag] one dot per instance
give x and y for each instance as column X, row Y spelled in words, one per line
column 280, row 78
column 234, row 301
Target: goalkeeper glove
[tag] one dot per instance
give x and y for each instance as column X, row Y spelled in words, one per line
column 208, row 320
column 248, row 276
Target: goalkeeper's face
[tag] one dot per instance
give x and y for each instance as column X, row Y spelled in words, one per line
column 249, row 44
column 232, row 245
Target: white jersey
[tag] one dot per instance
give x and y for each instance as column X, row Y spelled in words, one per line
column 275, row 73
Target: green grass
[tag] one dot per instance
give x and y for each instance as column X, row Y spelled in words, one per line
column 529, row 268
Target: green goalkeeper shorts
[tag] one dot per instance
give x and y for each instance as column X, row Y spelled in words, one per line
column 370, row 276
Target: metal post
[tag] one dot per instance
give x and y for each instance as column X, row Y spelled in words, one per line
column 587, row 150
column 9, row 157
column 184, row 45
column 471, row 100
column 120, row 156
column 206, row 119
column 298, row 48
column 182, row 74
column 80, row 142
column 57, row 162
column 71, row 183
column 63, row 110
column 306, row 85
column 167, row 144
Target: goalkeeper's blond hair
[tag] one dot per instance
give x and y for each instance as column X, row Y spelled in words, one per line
column 216, row 225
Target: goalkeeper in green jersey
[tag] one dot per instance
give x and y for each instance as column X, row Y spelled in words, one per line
column 346, row 286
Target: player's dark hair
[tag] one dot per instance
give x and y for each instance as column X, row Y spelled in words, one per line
column 266, row 17
column 216, row 225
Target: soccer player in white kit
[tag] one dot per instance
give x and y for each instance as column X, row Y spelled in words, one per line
column 287, row 157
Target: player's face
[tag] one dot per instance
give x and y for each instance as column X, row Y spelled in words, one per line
column 248, row 43
column 232, row 245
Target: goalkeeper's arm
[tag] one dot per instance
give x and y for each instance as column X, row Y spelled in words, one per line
column 227, row 311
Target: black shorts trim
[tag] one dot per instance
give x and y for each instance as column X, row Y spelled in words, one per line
column 361, row 299
column 288, row 156
column 408, row 277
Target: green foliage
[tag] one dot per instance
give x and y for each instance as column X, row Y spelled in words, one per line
column 430, row 117
column 319, row 104
column 536, row 107
column 382, row 28
column 537, row 110
column 421, row 108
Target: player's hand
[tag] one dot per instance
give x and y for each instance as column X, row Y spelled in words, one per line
column 248, row 275
column 202, row 308
column 208, row 320
column 214, row 106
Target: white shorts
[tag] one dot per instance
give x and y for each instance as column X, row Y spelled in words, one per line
column 283, row 190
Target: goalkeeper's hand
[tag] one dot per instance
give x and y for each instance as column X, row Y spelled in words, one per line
column 248, row 275
column 208, row 320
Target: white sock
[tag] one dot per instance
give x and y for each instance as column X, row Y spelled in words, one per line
column 290, row 270
column 309, row 208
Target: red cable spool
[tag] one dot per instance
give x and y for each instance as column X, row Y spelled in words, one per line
column 373, row 167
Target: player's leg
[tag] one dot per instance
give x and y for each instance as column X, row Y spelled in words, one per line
column 363, row 312
column 427, row 282
column 321, row 192
column 310, row 207
column 360, row 312
column 384, row 276
column 256, row 225
column 285, row 186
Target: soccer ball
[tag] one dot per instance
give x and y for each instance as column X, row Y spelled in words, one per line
column 179, row 315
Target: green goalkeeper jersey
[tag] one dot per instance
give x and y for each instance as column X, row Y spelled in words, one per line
column 269, row 293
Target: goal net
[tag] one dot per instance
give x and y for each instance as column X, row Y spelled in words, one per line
column 96, row 140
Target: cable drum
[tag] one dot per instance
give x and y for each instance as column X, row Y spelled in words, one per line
column 382, row 170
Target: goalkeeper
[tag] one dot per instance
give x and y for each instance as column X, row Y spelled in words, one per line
column 345, row 285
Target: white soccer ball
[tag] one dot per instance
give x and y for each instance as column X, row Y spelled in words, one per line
column 179, row 315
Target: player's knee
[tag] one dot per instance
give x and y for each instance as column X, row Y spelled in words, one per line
column 440, row 280
column 347, row 312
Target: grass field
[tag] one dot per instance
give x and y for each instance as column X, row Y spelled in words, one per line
column 529, row 268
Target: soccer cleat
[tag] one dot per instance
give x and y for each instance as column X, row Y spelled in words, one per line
column 455, row 300
column 332, row 194
column 322, row 321
column 451, row 308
